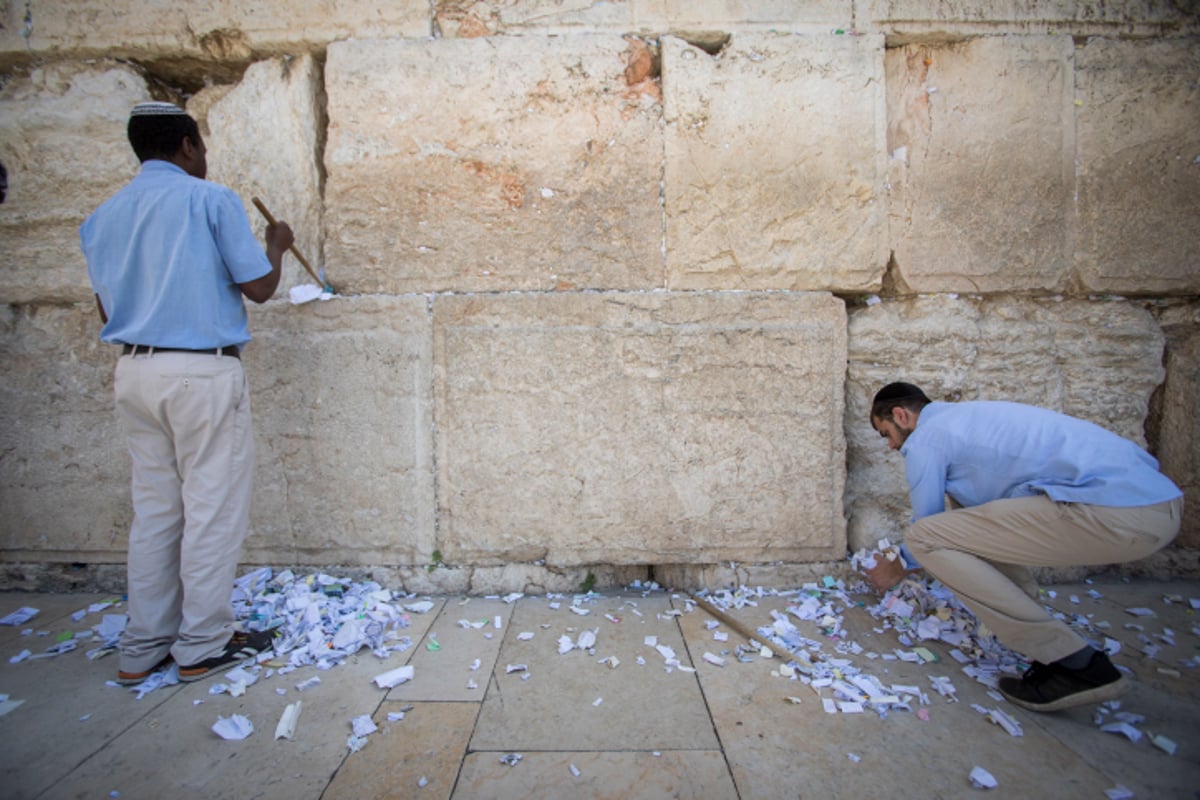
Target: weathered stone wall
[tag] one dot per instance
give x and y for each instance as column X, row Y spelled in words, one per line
column 617, row 280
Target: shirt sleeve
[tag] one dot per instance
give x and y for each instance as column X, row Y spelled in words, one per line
column 242, row 253
column 925, row 468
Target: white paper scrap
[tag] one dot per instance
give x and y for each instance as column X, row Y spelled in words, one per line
column 307, row 684
column 714, row 659
column 286, row 728
column 1164, row 744
column 597, row 701
column 574, row 770
column 525, row 636
column 511, row 668
column 982, row 779
column 19, row 617
column 355, row 743
column 19, row 657
column 7, row 705
column 511, row 759
column 306, row 293
column 586, row 640
column 1125, row 729
column 1140, row 612
column 1005, row 721
column 233, row 728
column 394, row 677
column 1118, row 792
column 363, row 725
column 565, row 645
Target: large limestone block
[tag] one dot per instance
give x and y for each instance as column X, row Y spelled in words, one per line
column 1139, row 166
column 1098, row 360
column 775, row 163
column 468, row 18
column 1179, row 420
column 491, row 164
column 64, row 467
column 62, row 141
column 982, row 150
column 229, row 31
column 931, row 17
column 264, row 138
column 343, row 423
column 635, row 428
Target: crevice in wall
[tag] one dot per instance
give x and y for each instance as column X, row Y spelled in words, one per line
column 711, row 42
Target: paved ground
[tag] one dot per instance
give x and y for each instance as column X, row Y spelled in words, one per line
column 586, row 729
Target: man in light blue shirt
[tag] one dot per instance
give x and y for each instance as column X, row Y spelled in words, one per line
column 170, row 257
column 1030, row 487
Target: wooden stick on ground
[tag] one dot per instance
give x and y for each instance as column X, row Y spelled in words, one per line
column 738, row 627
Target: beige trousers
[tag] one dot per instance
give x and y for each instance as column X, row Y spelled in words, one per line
column 187, row 420
column 983, row 554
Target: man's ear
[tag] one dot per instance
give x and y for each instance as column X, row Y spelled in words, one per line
column 903, row 418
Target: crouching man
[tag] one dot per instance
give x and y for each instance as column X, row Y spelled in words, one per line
column 1036, row 488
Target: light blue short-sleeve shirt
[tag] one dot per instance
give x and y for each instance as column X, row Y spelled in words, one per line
column 165, row 256
column 981, row 451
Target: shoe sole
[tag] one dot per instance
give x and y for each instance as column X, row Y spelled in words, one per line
column 213, row 670
column 142, row 676
column 1109, row 691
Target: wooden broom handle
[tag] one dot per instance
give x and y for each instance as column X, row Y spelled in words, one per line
column 304, row 261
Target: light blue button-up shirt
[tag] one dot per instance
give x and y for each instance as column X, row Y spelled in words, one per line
column 165, row 256
column 981, row 451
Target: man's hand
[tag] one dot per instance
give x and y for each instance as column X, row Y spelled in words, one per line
column 279, row 238
column 886, row 573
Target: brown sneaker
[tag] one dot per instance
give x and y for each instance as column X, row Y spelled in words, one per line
column 1052, row 687
column 134, row 678
column 241, row 646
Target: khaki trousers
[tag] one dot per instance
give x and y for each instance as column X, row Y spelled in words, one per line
column 983, row 554
column 187, row 420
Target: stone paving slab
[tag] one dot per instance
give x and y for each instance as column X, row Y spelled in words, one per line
column 54, row 614
column 682, row 774
column 202, row 765
column 775, row 747
column 575, row 702
column 442, row 674
column 429, row 743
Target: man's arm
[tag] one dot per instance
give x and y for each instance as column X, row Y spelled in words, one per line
column 279, row 238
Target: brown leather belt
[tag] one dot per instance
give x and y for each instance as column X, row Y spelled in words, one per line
column 230, row 350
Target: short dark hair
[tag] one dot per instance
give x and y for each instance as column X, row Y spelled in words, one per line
column 897, row 395
column 159, row 136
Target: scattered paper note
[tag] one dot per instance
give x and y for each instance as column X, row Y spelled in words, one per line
column 982, row 779
column 395, row 677
column 233, row 728
column 286, row 728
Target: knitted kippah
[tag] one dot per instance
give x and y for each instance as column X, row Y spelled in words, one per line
column 154, row 109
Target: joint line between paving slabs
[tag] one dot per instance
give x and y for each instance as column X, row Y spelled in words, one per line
column 704, row 696
column 49, row 790
column 467, row 749
column 348, row 753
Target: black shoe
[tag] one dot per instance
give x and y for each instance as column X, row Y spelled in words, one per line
column 241, row 646
column 1052, row 687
